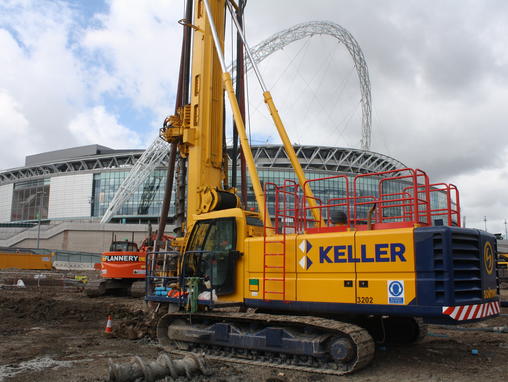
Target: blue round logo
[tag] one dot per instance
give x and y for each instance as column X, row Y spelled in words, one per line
column 396, row 288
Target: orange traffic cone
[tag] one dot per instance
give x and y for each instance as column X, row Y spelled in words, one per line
column 109, row 326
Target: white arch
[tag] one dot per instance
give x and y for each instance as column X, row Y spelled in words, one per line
column 312, row 28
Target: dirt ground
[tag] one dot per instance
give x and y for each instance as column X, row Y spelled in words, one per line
column 55, row 334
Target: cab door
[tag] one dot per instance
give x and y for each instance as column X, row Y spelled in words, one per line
column 211, row 254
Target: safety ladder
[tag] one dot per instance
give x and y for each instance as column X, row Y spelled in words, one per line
column 285, row 220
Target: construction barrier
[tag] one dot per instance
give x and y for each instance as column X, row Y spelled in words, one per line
column 72, row 265
column 25, row 261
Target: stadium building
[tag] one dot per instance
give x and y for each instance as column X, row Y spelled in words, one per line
column 68, row 191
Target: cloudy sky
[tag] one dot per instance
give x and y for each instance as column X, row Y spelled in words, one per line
column 82, row 72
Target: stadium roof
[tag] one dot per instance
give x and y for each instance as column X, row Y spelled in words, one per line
column 94, row 158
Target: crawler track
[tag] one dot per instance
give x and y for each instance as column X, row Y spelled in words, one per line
column 137, row 289
column 125, row 287
column 363, row 343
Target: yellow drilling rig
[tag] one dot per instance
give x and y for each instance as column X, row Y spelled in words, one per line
column 300, row 282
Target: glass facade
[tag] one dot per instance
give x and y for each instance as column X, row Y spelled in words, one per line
column 30, row 200
column 146, row 200
column 324, row 190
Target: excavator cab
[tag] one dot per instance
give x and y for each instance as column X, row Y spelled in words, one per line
column 123, row 246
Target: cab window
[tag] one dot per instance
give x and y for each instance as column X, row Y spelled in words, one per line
column 210, row 253
column 123, row 246
column 213, row 235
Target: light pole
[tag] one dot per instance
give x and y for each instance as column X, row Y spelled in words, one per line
column 505, row 230
column 485, row 221
column 39, row 217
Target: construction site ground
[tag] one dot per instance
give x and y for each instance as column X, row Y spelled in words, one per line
column 54, row 333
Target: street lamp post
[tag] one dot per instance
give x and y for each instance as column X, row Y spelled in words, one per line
column 39, row 218
column 39, row 229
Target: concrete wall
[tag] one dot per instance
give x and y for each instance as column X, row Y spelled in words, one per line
column 84, row 241
column 85, row 237
column 70, row 196
column 6, row 202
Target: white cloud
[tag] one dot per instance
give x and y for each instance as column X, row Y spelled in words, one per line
column 483, row 194
column 97, row 125
column 41, row 73
column 53, row 81
column 140, row 44
column 14, row 132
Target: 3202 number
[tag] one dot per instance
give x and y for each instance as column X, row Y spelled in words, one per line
column 364, row 300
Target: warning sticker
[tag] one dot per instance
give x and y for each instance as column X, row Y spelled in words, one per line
column 395, row 291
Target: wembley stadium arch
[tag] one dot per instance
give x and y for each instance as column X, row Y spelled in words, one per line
column 318, row 28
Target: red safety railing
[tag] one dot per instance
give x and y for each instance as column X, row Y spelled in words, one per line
column 388, row 199
column 414, row 208
column 452, row 208
column 308, row 220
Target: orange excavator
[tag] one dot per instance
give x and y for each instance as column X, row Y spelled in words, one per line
column 123, row 268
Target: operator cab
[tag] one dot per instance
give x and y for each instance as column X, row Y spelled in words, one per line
column 211, row 254
column 123, row 246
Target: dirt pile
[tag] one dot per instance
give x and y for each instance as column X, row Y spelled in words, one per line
column 40, row 307
column 131, row 322
column 137, row 325
column 43, row 309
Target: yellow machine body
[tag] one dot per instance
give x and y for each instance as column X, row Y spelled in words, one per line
column 344, row 267
column 335, row 267
column 393, row 271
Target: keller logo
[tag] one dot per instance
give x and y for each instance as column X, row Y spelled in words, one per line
column 305, row 246
column 379, row 253
column 305, row 262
